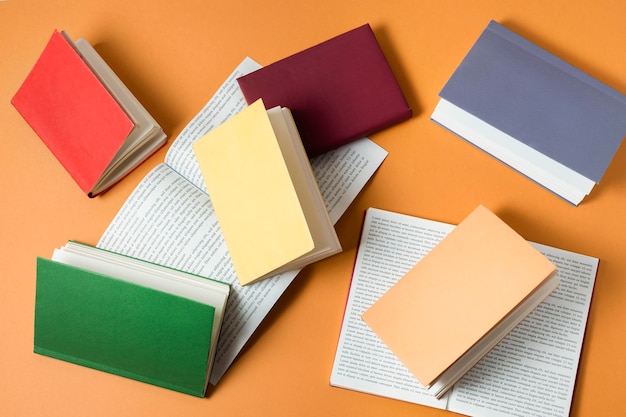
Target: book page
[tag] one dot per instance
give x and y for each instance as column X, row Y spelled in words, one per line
column 391, row 244
column 227, row 101
column 169, row 221
column 533, row 370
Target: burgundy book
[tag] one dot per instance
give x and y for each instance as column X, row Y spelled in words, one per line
column 338, row 91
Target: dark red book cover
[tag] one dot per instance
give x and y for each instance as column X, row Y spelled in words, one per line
column 338, row 91
column 72, row 112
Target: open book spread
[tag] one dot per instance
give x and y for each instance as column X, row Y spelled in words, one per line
column 531, row 372
column 169, row 218
column 485, row 275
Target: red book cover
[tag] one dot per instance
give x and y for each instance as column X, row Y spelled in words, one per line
column 72, row 112
column 338, row 91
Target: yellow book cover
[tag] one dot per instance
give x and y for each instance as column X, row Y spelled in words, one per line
column 252, row 192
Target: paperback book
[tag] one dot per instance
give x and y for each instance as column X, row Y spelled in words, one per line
column 535, row 112
column 85, row 115
column 485, row 275
column 339, row 90
column 531, row 372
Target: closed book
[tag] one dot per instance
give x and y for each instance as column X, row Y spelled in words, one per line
column 128, row 317
column 339, row 90
column 535, row 112
column 461, row 299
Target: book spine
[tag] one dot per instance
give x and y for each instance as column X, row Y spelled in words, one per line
column 115, row 371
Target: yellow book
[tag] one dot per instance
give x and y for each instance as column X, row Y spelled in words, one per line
column 265, row 195
column 461, row 299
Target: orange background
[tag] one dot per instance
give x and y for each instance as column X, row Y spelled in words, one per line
column 173, row 55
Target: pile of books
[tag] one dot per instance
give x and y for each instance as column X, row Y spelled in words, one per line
column 248, row 194
column 253, row 202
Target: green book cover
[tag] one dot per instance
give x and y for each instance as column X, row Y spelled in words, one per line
column 118, row 327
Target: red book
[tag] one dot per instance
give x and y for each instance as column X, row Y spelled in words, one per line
column 338, row 91
column 77, row 117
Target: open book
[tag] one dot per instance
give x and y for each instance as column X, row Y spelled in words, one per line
column 128, row 317
column 531, row 372
column 169, row 218
column 265, row 195
column 85, row 115
column 461, row 299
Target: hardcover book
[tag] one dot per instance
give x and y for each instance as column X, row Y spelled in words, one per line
column 535, row 112
column 128, row 317
column 265, row 195
column 85, row 115
column 338, row 91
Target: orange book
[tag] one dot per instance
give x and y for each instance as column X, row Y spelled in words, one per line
column 461, row 299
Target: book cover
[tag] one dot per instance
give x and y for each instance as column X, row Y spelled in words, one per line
column 537, row 113
column 454, row 296
column 119, row 327
column 253, row 194
column 72, row 112
column 338, row 91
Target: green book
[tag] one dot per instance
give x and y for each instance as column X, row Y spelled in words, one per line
column 128, row 317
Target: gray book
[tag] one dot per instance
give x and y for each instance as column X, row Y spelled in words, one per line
column 535, row 112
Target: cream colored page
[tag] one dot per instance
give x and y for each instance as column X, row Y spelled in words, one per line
column 391, row 244
column 255, row 200
column 532, row 372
